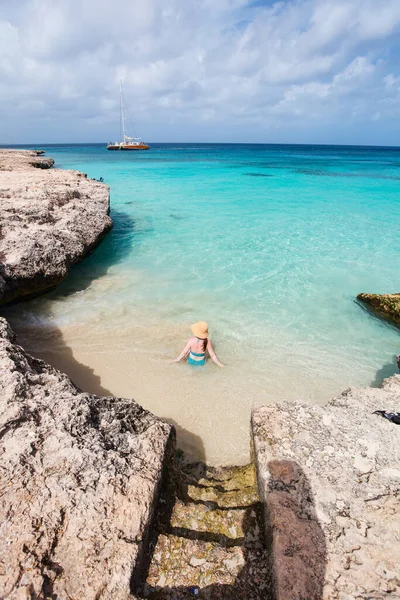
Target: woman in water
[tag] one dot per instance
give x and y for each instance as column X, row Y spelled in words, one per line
column 197, row 347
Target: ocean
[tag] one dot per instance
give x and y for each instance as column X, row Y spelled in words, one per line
column 270, row 244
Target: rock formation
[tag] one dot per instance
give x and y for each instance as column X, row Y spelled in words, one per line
column 49, row 220
column 385, row 305
column 330, row 481
column 80, row 477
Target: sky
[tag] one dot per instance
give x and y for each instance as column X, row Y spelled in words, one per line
column 294, row 71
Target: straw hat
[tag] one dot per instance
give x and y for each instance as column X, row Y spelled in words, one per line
column 200, row 330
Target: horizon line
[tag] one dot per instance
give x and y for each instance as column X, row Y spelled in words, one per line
column 5, row 146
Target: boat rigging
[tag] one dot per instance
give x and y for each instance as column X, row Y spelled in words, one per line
column 128, row 143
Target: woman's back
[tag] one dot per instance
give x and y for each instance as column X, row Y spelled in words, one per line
column 197, row 345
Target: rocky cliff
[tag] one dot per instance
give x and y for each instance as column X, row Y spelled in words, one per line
column 80, row 477
column 330, row 481
column 386, row 306
column 49, row 220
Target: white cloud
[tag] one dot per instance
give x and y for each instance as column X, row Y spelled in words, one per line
column 209, row 66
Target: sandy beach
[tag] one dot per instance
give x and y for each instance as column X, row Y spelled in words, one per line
column 210, row 407
column 219, row 433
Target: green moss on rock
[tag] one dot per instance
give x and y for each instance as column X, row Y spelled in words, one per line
column 211, row 537
column 386, row 306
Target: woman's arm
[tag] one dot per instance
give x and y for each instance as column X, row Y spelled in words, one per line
column 213, row 355
column 184, row 352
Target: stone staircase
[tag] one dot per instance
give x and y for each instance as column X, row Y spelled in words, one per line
column 209, row 542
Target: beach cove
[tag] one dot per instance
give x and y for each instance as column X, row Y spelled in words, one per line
column 312, row 515
column 269, row 244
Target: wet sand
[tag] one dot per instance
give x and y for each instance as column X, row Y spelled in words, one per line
column 210, row 407
column 211, row 420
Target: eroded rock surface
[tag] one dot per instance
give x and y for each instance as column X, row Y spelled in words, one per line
column 330, row 480
column 386, row 306
column 79, row 482
column 210, row 543
column 49, row 220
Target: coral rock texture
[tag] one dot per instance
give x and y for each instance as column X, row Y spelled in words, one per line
column 80, row 478
column 330, row 481
column 49, row 220
column 211, row 538
column 385, row 305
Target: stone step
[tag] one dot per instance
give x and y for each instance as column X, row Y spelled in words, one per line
column 229, row 527
column 178, row 561
column 210, row 543
column 221, row 498
column 229, row 478
column 232, row 487
column 183, row 568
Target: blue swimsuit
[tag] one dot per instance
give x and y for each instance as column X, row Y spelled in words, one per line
column 197, row 363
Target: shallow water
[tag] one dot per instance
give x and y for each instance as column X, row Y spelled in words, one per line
column 269, row 244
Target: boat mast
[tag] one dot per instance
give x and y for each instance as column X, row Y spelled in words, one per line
column 122, row 110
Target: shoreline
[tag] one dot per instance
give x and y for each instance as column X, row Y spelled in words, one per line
column 209, row 408
column 167, row 390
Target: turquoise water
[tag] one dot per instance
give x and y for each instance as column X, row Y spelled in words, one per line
column 269, row 244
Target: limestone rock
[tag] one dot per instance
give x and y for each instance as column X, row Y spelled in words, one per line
column 330, row 481
column 21, row 160
column 80, row 477
column 385, row 305
column 49, row 220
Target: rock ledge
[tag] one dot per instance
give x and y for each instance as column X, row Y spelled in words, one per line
column 386, row 306
column 329, row 478
column 80, row 480
column 49, row 220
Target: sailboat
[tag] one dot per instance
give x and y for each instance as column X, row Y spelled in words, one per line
column 128, row 143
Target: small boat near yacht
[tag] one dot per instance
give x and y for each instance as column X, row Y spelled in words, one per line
column 128, row 143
